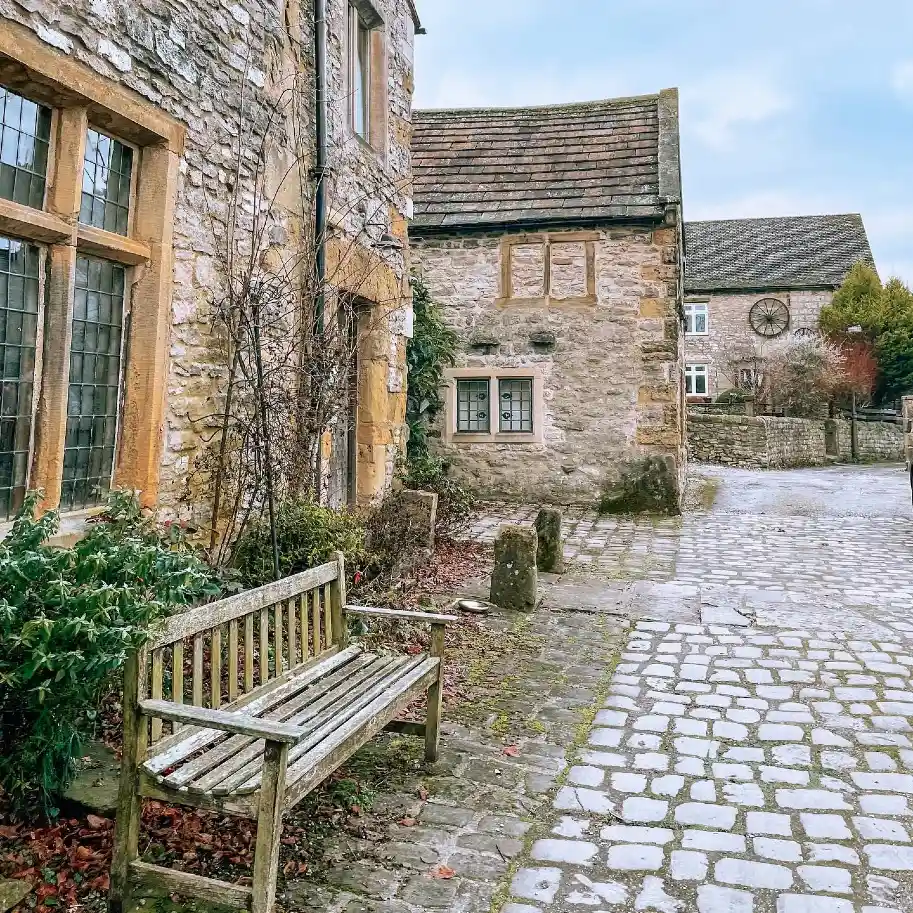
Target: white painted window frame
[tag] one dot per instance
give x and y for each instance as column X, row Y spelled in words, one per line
column 692, row 371
column 692, row 308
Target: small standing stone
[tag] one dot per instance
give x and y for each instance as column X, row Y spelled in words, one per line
column 514, row 580
column 550, row 551
column 13, row 892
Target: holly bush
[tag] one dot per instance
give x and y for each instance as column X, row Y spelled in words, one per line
column 68, row 619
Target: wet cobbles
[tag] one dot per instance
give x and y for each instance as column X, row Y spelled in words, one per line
column 734, row 770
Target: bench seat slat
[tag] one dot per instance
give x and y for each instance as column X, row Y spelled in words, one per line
column 381, row 676
column 190, row 740
column 376, row 690
column 324, row 690
column 314, row 766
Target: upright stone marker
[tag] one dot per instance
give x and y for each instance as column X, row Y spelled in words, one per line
column 420, row 508
column 550, row 551
column 514, row 581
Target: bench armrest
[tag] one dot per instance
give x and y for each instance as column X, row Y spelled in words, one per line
column 224, row 720
column 429, row 617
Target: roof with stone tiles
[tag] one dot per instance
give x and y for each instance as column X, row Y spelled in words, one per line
column 778, row 253
column 560, row 164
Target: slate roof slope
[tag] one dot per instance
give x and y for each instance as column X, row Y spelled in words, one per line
column 571, row 164
column 782, row 253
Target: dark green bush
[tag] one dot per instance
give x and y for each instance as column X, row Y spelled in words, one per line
column 307, row 535
column 68, row 618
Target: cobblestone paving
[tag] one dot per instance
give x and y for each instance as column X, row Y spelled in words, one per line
column 734, row 770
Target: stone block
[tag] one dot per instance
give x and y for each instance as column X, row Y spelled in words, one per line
column 514, row 580
column 13, row 892
column 420, row 513
column 550, row 548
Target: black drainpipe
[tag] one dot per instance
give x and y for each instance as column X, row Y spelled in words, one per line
column 320, row 194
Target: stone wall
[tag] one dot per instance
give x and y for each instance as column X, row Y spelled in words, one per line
column 612, row 413
column 875, row 441
column 728, row 330
column 767, row 442
column 194, row 61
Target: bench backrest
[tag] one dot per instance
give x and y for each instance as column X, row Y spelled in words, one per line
column 216, row 653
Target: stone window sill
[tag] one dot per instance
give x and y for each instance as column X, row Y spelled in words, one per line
column 503, row 437
column 73, row 527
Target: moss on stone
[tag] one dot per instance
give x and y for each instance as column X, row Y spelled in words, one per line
column 648, row 485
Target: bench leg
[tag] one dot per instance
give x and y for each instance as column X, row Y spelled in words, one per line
column 435, row 697
column 129, row 804
column 269, row 827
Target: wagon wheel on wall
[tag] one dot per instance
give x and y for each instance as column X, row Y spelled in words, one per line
column 769, row 317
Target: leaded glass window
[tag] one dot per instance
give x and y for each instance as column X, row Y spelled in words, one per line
column 473, row 406
column 19, row 302
column 360, row 64
column 106, row 176
column 26, row 134
column 95, row 379
column 515, row 402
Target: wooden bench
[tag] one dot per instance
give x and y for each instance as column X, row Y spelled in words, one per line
column 285, row 700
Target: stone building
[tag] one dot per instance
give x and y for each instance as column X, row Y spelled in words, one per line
column 551, row 239
column 750, row 283
column 119, row 161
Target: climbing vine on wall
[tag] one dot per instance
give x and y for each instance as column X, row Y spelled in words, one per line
column 431, row 350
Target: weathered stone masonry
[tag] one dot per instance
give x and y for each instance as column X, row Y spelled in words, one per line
column 611, row 378
column 558, row 261
column 193, row 62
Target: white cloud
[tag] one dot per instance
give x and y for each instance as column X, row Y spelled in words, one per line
column 902, row 79
column 716, row 108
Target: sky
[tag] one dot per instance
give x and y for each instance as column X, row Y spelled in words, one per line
column 788, row 107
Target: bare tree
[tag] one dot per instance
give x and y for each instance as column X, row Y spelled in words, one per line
column 742, row 363
column 285, row 334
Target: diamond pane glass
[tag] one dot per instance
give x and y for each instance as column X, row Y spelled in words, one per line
column 95, row 379
column 106, row 175
column 516, row 404
column 19, row 283
column 25, row 132
column 473, row 407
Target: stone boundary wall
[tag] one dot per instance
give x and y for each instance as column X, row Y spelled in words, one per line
column 767, row 442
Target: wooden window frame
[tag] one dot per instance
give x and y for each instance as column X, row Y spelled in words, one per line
column 80, row 98
column 506, row 292
column 494, row 435
column 375, row 98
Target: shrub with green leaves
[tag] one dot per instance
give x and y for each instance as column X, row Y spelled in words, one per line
column 68, row 619
column 455, row 502
column 307, row 535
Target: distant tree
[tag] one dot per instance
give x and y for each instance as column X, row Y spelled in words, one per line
column 884, row 316
column 860, row 369
column 802, row 374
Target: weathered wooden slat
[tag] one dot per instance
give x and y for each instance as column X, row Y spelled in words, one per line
column 435, row 695
column 202, row 618
column 234, row 752
column 198, row 670
column 215, row 669
column 264, row 646
column 174, row 749
column 241, row 806
column 232, row 659
column 177, row 677
column 305, row 710
column 430, row 617
column 249, row 652
column 338, row 590
column 314, row 766
column 291, row 624
column 159, row 880
column 327, row 615
column 278, row 621
column 329, row 722
column 227, row 721
column 269, row 829
column 303, row 612
column 315, row 622
column 156, row 690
